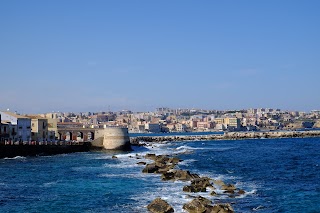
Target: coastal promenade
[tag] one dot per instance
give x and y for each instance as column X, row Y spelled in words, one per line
column 227, row 136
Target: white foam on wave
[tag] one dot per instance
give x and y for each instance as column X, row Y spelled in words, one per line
column 168, row 191
column 139, row 176
column 49, row 184
column 16, row 158
column 189, row 148
column 186, row 162
column 222, row 149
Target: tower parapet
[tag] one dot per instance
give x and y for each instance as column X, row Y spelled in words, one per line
column 116, row 138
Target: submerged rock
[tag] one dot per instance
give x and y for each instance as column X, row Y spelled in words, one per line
column 159, row 206
column 141, row 163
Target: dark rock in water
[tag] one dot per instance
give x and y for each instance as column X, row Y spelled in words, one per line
column 168, row 176
column 198, row 185
column 203, row 205
column 114, row 157
column 161, row 159
column 150, row 168
column 219, row 182
column 194, row 188
column 174, row 160
column 141, row 163
column 229, row 187
column 178, row 175
column 184, row 175
column 197, row 205
column 159, row 206
column 203, row 181
column 213, row 193
column 165, row 169
column 229, row 191
column 241, row 192
column 150, row 156
column 220, row 208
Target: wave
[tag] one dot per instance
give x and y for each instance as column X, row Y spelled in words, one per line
column 189, row 147
column 49, row 184
column 15, row 158
column 186, row 162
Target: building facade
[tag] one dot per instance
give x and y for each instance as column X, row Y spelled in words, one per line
column 22, row 123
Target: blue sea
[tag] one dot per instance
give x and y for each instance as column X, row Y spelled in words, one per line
column 278, row 175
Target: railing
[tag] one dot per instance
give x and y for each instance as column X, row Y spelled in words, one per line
column 42, row 143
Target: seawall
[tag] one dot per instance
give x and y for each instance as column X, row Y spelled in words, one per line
column 227, row 136
column 13, row 150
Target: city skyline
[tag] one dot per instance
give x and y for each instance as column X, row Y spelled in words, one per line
column 92, row 56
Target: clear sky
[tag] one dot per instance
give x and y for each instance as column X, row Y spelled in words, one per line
column 96, row 55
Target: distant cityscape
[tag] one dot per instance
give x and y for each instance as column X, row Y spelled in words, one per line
column 45, row 127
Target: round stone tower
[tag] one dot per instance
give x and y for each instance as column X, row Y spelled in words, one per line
column 116, row 138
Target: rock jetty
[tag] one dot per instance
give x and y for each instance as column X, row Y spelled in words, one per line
column 165, row 166
column 227, row 136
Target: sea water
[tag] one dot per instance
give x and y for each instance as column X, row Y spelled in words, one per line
column 278, row 175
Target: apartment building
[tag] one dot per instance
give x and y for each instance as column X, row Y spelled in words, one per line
column 23, row 125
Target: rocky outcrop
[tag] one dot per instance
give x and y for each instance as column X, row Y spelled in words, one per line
column 159, row 206
column 197, row 205
column 203, row 205
column 198, row 185
column 164, row 165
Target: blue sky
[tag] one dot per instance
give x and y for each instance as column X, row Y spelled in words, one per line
column 139, row 55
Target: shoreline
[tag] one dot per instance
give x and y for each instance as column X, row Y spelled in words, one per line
column 227, row 136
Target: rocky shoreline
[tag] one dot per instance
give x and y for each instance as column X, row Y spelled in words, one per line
column 164, row 165
column 227, row 136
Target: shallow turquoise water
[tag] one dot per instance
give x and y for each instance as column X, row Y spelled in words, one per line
column 279, row 175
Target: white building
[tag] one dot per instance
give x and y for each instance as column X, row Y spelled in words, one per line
column 23, row 125
column 152, row 127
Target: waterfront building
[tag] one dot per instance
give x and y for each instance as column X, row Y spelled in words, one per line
column 7, row 131
column 228, row 122
column 181, row 127
column 23, row 125
column 153, row 127
column 39, row 128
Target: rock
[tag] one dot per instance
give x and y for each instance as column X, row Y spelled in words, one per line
column 229, row 187
column 198, row 185
column 167, row 176
column 159, row 206
column 165, row 169
column 203, row 181
column 150, row 168
column 241, row 192
column 220, row 208
column 219, row 182
column 141, row 163
column 197, row 205
column 229, row 191
column 194, row 188
column 213, row 193
column 184, row 175
column 150, row 156
column 114, row 157
column 174, row 160
column 162, row 159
